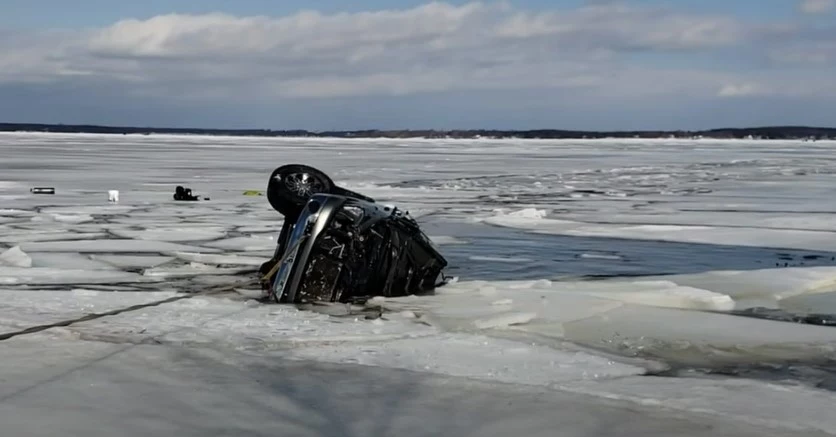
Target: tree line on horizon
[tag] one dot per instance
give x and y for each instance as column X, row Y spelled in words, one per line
column 768, row 132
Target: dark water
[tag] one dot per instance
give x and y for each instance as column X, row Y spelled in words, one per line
column 538, row 256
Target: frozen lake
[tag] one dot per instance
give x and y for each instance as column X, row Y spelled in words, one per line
column 583, row 267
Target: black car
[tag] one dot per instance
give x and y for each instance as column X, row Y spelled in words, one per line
column 340, row 246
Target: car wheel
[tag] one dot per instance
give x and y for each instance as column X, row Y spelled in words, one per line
column 291, row 186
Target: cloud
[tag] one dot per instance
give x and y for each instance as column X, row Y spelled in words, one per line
column 817, row 6
column 603, row 50
column 742, row 90
column 430, row 48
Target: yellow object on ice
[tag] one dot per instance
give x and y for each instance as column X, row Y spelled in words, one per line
column 253, row 193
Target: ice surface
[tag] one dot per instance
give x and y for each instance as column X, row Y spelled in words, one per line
column 174, row 235
column 220, row 259
column 237, row 324
column 607, row 195
column 132, row 261
column 193, row 269
column 724, row 235
column 445, row 239
column 58, row 386
column 743, row 400
column 113, row 246
column 62, row 276
column 476, row 357
column 820, row 303
column 72, row 261
column 19, row 237
column 647, row 317
column 766, row 285
column 24, row 308
column 244, row 244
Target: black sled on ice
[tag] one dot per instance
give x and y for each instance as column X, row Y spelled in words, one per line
column 340, row 246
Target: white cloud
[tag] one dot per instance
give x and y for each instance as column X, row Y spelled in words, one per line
column 817, row 6
column 742, row 90
column 436, row 47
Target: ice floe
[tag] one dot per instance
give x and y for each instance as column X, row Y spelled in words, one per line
column 220, row 259
column 533, row 220
column 71, row 261
column 193, row 269
column 113, row 246
column 173, row 234
column 133, row 261
column 15, row 257
column 244, row 244
column 66, row 276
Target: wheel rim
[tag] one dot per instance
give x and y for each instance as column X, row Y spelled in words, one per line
column 303, row 184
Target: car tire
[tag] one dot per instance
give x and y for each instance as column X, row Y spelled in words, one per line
column 291, row 186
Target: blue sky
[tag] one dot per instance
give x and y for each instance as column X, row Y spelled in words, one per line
column 574, row 64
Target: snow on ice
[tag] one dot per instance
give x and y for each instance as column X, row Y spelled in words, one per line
column 73, row 253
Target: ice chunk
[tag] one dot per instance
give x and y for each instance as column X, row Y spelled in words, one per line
column 79, row 210
column 15, row 213
column 15, row 257
column 226, row 280
column 499, row 259
column 762, row 285
column 175, row 235
column 53, row 276
column 194, row 269
column 69, row 261
column 112, row 246
column 243, row 244
column 36, row 236
column 739, row 236
column 529, row 213
column 220, row 259
column 67, row 218
column 133, row 261
column 252, row 293
column 664, row 294
column 461, row 306
column 503, row 320
column 653, row 317
column 264, row 229
column 443, row 240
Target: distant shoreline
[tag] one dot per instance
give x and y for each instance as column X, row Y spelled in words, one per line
column 764, row 133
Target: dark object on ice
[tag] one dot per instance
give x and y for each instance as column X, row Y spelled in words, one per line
column 340, row 246
column 181, row 193
column 784, row 316
column 42, row 190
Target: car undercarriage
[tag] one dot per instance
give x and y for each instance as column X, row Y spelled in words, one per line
column 340, row 246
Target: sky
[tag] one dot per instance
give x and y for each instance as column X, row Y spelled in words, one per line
column 409, row 64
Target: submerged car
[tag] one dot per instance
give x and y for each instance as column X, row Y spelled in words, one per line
column 340, row 246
